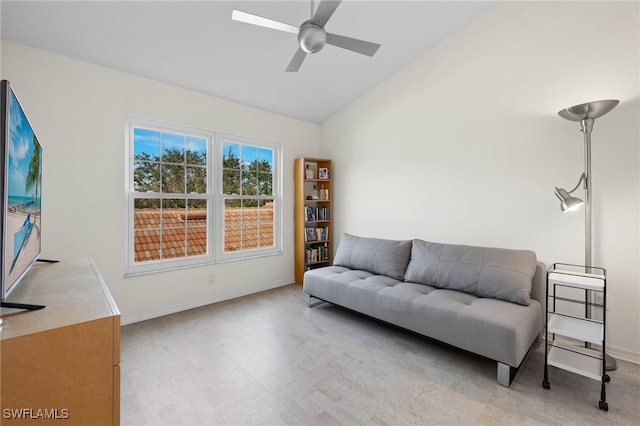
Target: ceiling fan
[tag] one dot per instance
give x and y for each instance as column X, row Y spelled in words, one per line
column 311, row 34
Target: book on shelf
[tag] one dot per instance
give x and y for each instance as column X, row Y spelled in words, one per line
column 310, row 213
column 317, row 253
column 313, row 214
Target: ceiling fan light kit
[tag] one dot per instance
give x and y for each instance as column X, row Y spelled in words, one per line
column 312, row 36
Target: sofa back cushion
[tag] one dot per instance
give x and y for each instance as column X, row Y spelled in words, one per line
column 382, row 257
column 485, row 272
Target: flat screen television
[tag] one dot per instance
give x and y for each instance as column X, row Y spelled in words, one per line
column 21, row 186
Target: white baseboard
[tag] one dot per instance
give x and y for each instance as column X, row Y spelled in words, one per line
column 623, row 354
column 143, row 316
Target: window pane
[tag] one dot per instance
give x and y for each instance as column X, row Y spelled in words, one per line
column 266, row 213
column 249, row 237
column 265, row 158
column 232, row 212
column 250, row 212
column 172, row 148
column 197, row 241
column 174, row 242
column 231, row 156
column 249, row 182
column 173, row 213
column 232, row 238
column 250, row 157
column 146, row 176
column 146, row 214
column 233, row 225
column 231, row 182
column 196, row 180
column 197, row 213
column 196, row 222
column 146, row 144
column 196, row 151
column 266, row 236
column 173, row 178
column 265, row 183
column 146, row 245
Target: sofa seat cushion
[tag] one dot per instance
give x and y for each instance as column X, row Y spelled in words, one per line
column 332, row 281
column 496, row 329
column 382, row 257
column 497, row 273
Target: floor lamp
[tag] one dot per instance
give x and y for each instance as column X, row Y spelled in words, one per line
column 586, row 115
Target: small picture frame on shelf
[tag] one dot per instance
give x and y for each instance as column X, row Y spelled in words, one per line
column 323, row 173
column 311, row 234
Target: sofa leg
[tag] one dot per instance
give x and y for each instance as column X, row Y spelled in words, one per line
column 313, row 301
column 506, row 374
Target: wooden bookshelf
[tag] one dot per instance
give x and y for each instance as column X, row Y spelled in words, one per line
column 313, row 215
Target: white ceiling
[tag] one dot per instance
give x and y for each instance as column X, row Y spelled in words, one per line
column 196, row 45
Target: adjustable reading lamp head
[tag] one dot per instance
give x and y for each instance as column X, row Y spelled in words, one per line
column 567, row 202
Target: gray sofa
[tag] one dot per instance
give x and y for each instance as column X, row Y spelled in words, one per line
column 488, row 301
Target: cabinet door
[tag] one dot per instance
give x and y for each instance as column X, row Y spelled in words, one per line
column 65, row 374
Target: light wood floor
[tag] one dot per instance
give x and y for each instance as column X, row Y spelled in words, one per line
column 266, row 359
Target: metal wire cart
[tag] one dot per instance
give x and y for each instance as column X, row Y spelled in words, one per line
column 576, row 318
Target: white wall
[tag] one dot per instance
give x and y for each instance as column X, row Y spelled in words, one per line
column 78, row 111
column 465, row 145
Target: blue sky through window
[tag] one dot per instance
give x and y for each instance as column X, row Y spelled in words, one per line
column 149, row 141
column 247, row 153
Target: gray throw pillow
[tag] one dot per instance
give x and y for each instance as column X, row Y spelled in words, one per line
column 496, row 273
column 379, row 256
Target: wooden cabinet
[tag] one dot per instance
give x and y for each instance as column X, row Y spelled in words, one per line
column 313, row 215
column 573, row 292
column 61, row 364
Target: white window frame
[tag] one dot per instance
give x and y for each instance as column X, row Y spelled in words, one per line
column 215, row 199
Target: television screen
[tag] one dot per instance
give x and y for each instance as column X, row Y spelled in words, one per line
column 21, row 174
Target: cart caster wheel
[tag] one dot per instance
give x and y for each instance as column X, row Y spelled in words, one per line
column 546, row 384
column 603, row 406
column 607, row 378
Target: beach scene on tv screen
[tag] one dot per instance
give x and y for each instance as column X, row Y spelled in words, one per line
column 24, row 187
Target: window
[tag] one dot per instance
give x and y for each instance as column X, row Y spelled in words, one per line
column 248, row 196
column 196, row 197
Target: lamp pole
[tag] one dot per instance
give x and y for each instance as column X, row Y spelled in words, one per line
column 587, row 127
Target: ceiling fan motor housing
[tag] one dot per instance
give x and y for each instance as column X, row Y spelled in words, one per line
column 311, row 37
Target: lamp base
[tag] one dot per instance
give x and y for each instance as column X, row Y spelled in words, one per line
column 610, row 362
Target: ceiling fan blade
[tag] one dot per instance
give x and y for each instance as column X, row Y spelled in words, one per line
column 296, row 61
column 353, row 44
column 248, row 18
column 324, row 11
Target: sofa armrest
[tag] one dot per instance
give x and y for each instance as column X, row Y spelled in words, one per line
column 539, row 290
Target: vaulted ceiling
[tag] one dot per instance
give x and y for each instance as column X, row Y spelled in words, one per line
column 196, row 45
